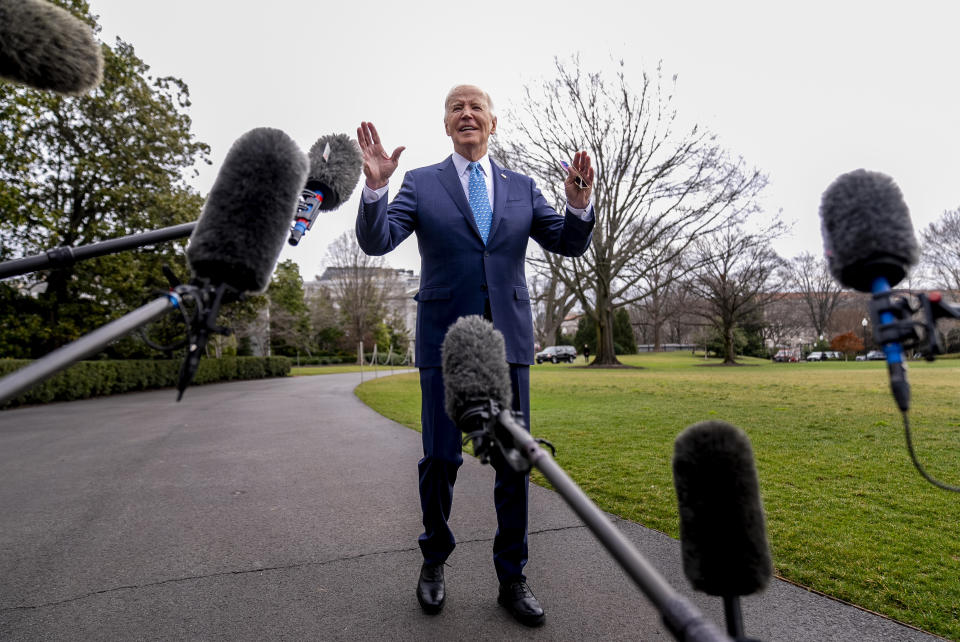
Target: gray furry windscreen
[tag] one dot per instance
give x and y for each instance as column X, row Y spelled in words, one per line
column 474, row 365
column 722, row 526
column 47, row 47
column 337, row 174
column 249, row 211
column 867, row 231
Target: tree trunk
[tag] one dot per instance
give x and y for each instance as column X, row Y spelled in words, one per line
column 656, row 320
column 606, row 355
column 656, row 335
column 730, row 349
column 555, row 310
column 56, row 295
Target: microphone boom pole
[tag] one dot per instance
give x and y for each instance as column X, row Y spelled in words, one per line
column 684, row 620
column 234, row 246
column 61, row 256
column 23, row 379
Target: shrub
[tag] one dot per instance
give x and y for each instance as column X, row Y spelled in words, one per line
column 97, row 378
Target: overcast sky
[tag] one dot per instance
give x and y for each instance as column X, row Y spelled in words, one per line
column 805, row 91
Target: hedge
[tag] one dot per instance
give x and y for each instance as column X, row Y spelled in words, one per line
column 395, row 359
column 324, row 360
column 97, row 378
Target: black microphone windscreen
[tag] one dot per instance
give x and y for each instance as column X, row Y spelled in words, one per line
column 867, row 231
column 249, row 210
column 474, row 361
column 335, row 166
column 722, row 528
column 46, row 47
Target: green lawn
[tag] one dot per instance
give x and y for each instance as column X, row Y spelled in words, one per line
column 847, row 514
column 300, row 371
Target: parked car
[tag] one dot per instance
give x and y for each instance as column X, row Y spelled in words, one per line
column 556, row 354
column 787, row 355
column 823, row 355
column 876, row 355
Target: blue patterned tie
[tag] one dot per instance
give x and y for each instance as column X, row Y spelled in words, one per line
column 480, row 201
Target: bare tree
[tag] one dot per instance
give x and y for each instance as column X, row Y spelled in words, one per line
column 784, row 319
column 359, row 284
column 550, row 298
column 739, row 275
column 666, row 300
column 810, row 276
column 250, row 321
column 656, row 188
column 941, row 250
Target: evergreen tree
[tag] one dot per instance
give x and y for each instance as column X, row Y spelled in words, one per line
column 78, row 170
column 290, row 330
column 623, row 338
column 586, row 335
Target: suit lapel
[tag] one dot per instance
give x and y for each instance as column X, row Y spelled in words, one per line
column 451, row 183
column 500, row 188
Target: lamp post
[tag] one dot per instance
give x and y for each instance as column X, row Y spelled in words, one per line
column 864, row 323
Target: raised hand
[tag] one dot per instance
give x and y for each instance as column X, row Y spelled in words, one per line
column 377, row 166
column 579, row 182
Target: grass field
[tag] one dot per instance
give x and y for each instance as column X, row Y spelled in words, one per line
column 300, row 371
column 847, row 514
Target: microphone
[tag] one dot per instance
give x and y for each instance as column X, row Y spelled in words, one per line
column 474, row 361
column 867, row 231
column 240, row 233
column 477, row 394
column 476, row 386
column 477, row 391
column 46, row 47
column 870, row 246
column 335, row 166
column 722, row 528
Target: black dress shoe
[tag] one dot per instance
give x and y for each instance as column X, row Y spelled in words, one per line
column 517, row 597
column 430, row 591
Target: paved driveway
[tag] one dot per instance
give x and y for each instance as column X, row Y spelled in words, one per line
column 287, row 510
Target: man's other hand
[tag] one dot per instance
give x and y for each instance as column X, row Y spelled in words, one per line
column 579, row 182
column 377, row 166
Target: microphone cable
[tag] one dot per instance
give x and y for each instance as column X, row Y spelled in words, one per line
column 893, row 316
column 916, row 462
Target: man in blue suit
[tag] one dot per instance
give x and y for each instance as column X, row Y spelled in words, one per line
column 472, row 220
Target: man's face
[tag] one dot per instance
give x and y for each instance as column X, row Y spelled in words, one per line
column 468, row 122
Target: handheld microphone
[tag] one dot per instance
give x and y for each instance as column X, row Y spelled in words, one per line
column 870, row 246
column 46, row 47
column 240, row 233
column 722, row 528
column 335, row 166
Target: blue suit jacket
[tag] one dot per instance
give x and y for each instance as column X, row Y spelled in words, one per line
column 458, row 273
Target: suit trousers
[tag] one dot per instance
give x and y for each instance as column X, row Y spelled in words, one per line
column 442, row 458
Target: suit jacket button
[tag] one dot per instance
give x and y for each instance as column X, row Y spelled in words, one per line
column 486, row 253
